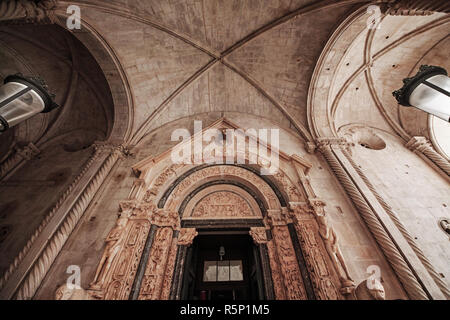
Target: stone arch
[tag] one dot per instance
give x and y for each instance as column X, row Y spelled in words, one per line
column 358, row 62
column 113, row 72
column 279, row 189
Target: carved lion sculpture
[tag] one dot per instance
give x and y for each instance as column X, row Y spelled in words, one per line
column 370, row 291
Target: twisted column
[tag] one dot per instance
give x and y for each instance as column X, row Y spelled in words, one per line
column 393, row 255
column 18, row 259
column 29, row 11
column 424, row 146
column 428, row 265
column 33, row 279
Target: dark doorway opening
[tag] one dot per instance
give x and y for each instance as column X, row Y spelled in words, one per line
column 223, row 266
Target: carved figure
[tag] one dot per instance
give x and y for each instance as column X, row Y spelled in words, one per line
column 330, row 240
column 114, row 243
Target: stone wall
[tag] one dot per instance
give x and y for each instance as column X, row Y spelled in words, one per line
column 86, row 244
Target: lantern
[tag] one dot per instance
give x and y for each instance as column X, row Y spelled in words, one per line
column 21, row 98
column 428, row 90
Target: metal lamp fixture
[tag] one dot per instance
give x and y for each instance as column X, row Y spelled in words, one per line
column 21, row 98
column 221, row 252
column 428, row 90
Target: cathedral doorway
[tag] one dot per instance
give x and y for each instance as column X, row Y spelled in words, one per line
column 223, row 265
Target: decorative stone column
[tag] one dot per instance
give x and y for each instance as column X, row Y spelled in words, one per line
column 422, row 145
column 17, row 158
column 387, row 245
column 28, row 11
column 161, row 258
column 405, row 233
column 185, row 240
column 259, row 236
column 322, row 250
column 29, row 269
column 287, row 279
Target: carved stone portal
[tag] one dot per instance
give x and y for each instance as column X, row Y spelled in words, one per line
column 222, row 204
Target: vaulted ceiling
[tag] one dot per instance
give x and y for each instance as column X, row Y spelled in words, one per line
column 190, row 57
column 306, row 65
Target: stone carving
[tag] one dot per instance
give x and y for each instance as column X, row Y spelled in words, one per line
column 160, row 181
column 424, row 146
column 223, row 204
column 395, row 258
column 278, row 284
column 316, row 261
column 259, row 235
column 17, row 157
column 215, row 171
column 167, row 282
column 156, row 265
column 288, row 264
column 330, row 240
column 58, row 239
column 164, row 218
column 288, row 186
column 370, row 291
column 409, row 238
column 65, row 293
column 124, row 245
column 186, row 236
column 28, row 10
column 276, row 217
column 114, row 243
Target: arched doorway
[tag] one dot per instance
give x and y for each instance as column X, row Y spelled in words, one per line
column 223, row 265
column 178, row 216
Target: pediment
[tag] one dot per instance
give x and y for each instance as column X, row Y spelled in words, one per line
column 251, row 136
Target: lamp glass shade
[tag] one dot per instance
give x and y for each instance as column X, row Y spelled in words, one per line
column 18, row 103
column 431, row 100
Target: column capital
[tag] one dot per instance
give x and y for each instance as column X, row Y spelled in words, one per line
column 418, row 143
column 27, row 11
column 186, row 236
column 111, row 147
column 259, row 235
column 324, row 144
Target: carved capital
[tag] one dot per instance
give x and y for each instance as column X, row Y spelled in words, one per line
column 28, row 152
column 186, row 236
column 259, row 235
column 300, row 210
column 165, row 218
column 419, row 144
column 276, row 217
column 28, row 11
column 318, row 206
column 310, row 147
column 324, row 144
column 107, row 147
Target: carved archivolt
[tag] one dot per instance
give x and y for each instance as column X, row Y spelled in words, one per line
column 219, row 172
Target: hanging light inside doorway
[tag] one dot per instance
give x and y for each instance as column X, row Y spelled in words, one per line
column 428, row 90
column 221, row 252
column 21, row 98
